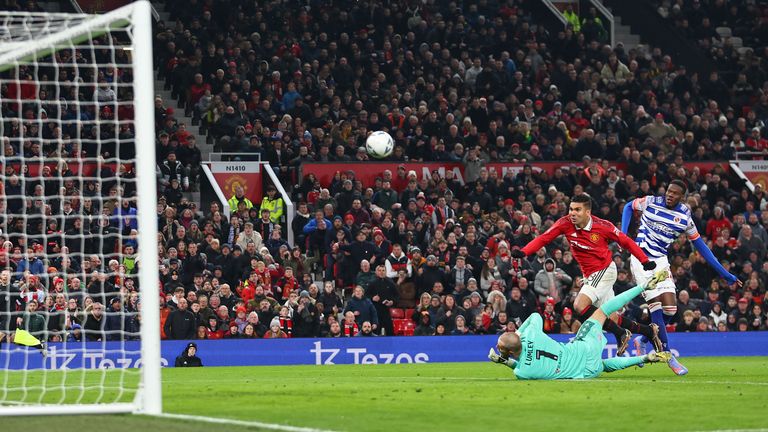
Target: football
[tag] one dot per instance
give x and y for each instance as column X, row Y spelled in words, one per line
column 379, row 144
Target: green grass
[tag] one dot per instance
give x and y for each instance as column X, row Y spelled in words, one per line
column 719, row 393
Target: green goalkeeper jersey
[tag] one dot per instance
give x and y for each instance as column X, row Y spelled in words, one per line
column 544, row 358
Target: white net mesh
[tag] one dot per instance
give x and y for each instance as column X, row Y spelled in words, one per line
column 18, row 29
column 68, row 248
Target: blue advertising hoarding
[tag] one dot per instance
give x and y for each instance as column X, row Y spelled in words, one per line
column 414, row 349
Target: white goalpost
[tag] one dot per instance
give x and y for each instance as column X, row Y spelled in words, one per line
column 78, row 220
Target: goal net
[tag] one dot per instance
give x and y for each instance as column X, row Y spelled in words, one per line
column 79, row 320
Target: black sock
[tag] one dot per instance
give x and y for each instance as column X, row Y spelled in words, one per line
column 614, row 328
column 586, row 313
column 635, row 327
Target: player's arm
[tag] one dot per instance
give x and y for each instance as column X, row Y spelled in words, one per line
column 496, row 358
column 701, row 246
column 630, row 245
column 629, row 211
column 540, row 241
column 626, row 217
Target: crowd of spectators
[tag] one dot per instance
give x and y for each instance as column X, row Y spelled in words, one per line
column 473, row 84
column 293, row 82
column 68, row 227
column 735, row 34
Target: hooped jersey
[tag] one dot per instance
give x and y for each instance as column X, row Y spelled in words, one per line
column 661, row 226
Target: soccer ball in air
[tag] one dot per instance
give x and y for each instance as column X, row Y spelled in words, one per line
column 379, row 144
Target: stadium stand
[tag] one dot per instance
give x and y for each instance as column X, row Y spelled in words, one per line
column 298, row 82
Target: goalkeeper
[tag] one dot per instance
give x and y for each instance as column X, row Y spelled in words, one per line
column 534, row 355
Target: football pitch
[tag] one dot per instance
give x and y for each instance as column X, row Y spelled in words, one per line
column 723, row 393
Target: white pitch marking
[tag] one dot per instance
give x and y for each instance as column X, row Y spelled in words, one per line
column 270, row 426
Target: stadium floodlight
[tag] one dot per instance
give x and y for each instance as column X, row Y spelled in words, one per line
column 77, row 112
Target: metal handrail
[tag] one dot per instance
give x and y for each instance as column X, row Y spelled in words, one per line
column 609, row 16
column 155, row 13
column 555, row 11
column 76, row 6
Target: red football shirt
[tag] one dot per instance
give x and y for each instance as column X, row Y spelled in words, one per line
column 589, row 245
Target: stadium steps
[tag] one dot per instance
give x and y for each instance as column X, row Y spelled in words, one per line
column 194, row 197
column 624, row 34
column 51, row 6
column 202, row 142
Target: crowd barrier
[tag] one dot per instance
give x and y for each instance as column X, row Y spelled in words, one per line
column 358, row 350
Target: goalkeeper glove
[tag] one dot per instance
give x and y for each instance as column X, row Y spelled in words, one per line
column 492, row 356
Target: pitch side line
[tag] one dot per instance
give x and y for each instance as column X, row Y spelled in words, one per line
column 510, row 379
column 270, row 426
column 638, row 381
column 734, row 430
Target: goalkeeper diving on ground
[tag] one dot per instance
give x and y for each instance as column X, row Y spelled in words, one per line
column 531, row 354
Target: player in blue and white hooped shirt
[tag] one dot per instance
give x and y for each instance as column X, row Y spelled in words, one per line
column 663, row 219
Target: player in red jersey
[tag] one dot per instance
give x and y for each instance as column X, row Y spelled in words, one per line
column 589, row 236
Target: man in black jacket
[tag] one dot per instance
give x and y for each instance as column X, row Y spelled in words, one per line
column 94, row 323
column 428, row 274
column 305, row 317
column 188, row 357
column 180, row 323
column 383, row 293
column 192, row 264
column 359, row 250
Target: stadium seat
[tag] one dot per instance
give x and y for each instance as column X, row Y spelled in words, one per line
column 396, row 313
column 724, row 32
column 409, row 313
column 398, row 326
column 409, row 328
column 743, row 51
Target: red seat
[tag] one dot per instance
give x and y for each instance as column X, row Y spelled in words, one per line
column 399, row 326
column 396, row 313
column 409, row 313
column 409, row 328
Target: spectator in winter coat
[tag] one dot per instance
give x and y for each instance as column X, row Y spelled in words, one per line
column 274, row 203
column 749, row 243
column 275, row 332
column 305, row 317
column 614, row 72
column 383, row 293
column 116, row 322
column 32, row 321
column 569, row 325
column 658, row 129
column 551, row 281
column 362, row 308
column 359, row 250
column 249, row 235
column 180, row 323
column 424, row 328
column 188, row 357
